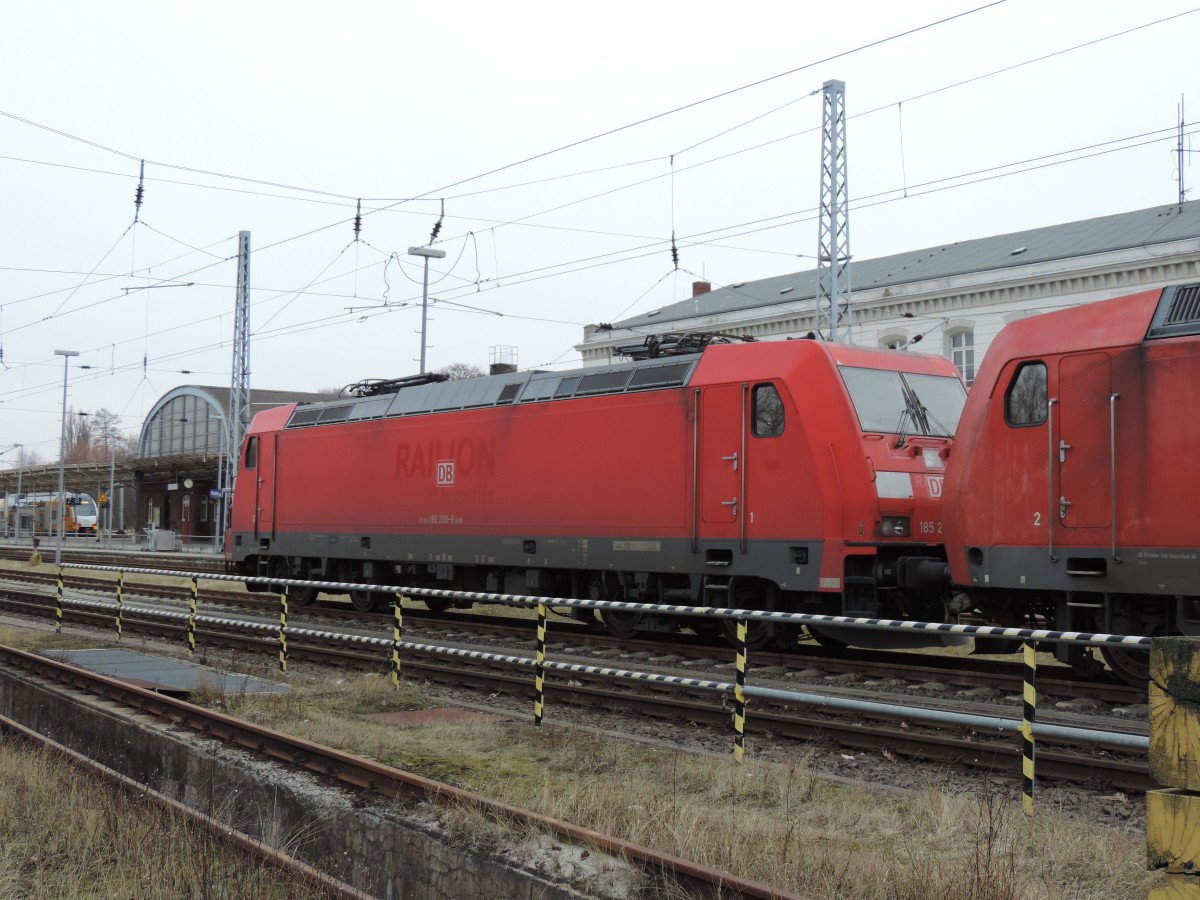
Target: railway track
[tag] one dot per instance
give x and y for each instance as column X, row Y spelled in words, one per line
column 184, row 562
column 369, row 777
column 966, row 747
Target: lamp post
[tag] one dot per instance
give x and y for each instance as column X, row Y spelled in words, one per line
column 17, row 495
column 428, row 253
column 62, row 459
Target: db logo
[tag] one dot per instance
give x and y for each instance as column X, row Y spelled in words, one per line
column 445, row 472
column 935, row 486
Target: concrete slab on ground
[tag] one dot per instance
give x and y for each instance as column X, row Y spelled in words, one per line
column 157, row 673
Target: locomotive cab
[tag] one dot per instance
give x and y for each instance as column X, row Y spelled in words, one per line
column 1073, row 489
column 904, row 410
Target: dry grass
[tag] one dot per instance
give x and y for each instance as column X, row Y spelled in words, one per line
column 780, row 824
column 62, row 834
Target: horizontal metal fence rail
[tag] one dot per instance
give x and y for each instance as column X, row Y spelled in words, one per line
column 995, row 724
column 1095, row 639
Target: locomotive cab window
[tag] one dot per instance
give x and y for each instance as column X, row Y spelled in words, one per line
column 768, row 411
column 252, row 453
column 905, row 402
column 1026, row 401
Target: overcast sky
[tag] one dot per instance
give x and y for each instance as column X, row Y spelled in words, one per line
column 567, row 142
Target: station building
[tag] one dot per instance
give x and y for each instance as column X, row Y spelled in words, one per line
column 173, row 482
column 951, row 299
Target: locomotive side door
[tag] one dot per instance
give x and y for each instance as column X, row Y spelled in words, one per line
column 264, row 486
column 721, row 460
column 1082, row 453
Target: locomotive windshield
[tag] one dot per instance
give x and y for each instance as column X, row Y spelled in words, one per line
column 905, row 402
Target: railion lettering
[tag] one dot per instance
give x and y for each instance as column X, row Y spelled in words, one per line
column 470, row 456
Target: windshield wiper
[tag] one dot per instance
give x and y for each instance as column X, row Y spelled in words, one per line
column 902, row 427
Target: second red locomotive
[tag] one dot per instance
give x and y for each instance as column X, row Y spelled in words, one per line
column 789, row 475
column 1072, row 495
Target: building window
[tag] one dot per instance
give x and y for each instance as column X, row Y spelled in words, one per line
column 204, row 508
column 962, row 354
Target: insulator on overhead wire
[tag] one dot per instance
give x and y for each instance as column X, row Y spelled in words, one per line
column 674, row 251
column 140, row 193
column 358, row 220
column 437, row 226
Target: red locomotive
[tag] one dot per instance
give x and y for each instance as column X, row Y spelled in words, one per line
column 1073, row 491
column 788, row 475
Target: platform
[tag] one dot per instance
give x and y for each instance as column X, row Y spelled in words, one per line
column 167, row 676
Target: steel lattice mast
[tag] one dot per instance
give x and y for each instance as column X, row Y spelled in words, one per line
column 833, row 238
column 239, row 390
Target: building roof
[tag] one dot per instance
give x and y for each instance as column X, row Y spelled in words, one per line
column 1106, row 234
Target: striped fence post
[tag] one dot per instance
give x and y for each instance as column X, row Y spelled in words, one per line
column 739, row 695
column 1173, row 814
column 539, row 668
column 120, row 592
column 1028, row 713
column 191, row 621
column 397, row 629
column 58, row 603
column 282, row 631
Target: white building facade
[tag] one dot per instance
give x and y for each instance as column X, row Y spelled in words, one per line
column 951, row 299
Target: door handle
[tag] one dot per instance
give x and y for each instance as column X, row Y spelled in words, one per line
column 731, row 503
column 733, row 459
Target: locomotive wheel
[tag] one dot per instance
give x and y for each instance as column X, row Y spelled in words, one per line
column 1131, row 666
column 301, row 596
column 749, row 594
column 621, row 623
column 758, row 633
column 825, row 640
column 362, row 600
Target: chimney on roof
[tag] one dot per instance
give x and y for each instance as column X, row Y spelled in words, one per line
column 700, row 287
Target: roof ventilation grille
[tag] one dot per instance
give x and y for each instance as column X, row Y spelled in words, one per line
column 1178, row 312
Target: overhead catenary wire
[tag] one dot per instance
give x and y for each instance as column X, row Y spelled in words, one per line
column 519, row 275
column 648, row 249
column 868, row 112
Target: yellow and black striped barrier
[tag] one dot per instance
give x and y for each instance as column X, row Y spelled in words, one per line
column 58, row 604
column 739, row 695
column 191, row 621
column 397, row 630
column 1173, row 814
column 120, row 592
column 283, row 630
column 539, row 667
column 1028, row 714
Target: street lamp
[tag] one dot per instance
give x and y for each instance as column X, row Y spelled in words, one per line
column 428, row 253
column 62, row 459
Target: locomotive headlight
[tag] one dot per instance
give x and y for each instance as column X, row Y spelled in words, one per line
column 895, row 526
